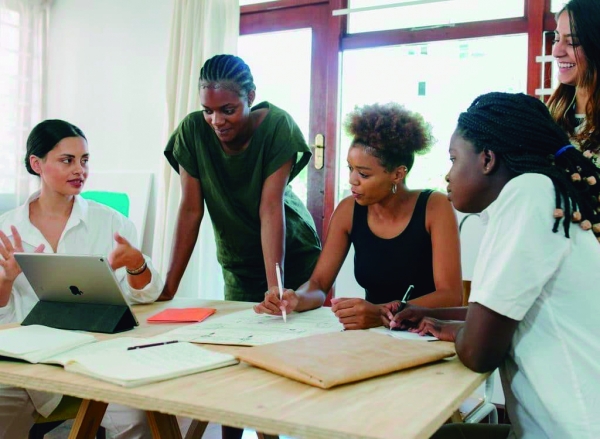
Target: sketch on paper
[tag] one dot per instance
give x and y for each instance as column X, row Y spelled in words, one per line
column 246, row 328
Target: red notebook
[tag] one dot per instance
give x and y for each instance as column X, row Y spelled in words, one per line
column 181, row 315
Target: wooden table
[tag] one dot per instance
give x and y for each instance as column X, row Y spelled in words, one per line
column 408, row 404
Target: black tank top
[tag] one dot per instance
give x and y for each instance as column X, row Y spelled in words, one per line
column 385, row 268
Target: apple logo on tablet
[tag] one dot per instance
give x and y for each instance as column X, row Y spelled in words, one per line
column 75, row 291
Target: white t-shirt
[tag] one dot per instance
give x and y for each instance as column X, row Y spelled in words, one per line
column 551, row 285
column 89, row 230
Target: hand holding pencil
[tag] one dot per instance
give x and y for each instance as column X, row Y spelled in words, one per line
column 280, row 287
column 272, row 304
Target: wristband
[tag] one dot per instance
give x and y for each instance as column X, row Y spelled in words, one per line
column 137, row 271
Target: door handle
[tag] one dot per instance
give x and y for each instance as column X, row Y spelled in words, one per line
column 319, row 151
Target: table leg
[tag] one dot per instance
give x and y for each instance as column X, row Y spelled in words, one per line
column 163, row 426
column 196, row 429
column 456, row 417
column 88, row 419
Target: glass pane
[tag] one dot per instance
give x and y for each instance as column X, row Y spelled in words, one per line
column 557, row 5
column 410, row 75
column 253, row 2
column 430, row 13
column 284, row 83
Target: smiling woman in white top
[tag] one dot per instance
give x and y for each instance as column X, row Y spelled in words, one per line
column 534, row 304
column 57, row 220
column 575, row 104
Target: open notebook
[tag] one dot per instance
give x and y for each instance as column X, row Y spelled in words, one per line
column 109, row 360
column 331, row 359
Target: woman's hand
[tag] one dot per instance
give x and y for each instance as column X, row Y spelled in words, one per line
column 445, row 330
column 125, row 255
column 166, row 294
column 9, row 264
column 273, row 306
column 409, row 317
column 356, row 313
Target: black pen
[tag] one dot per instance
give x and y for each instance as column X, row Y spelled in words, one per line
column 142, row 346
column 403, row 302
column 404, row 299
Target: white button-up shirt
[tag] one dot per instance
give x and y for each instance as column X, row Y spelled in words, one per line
column 89, row 230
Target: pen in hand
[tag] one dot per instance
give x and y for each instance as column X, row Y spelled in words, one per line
column 142, row 346
column 280, row 286
column 401, row 306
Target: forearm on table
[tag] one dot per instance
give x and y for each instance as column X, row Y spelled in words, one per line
column 310, row 296
column 441, row 298
column 456, row 313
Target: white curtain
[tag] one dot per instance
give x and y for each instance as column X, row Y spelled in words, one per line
column 23, row 39
column 200, row 29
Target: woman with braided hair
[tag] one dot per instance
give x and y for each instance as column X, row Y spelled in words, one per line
column 404, row 239
column 239, row 159
column 575, row 104
column 534, row 301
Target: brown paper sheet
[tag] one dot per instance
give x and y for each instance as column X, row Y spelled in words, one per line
column 328, row 360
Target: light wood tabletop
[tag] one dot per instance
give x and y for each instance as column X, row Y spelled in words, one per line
column 412, row 403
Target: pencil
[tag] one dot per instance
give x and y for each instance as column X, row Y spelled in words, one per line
column 280, row 285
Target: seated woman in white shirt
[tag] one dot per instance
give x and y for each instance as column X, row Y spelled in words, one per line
column 57, row 220
column 534, row 303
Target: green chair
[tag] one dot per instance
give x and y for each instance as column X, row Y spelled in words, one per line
column 117, row 200
column 67, row 409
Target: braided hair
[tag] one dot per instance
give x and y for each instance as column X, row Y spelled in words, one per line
column 520, row 130
column 227, row 69
column 389, row 132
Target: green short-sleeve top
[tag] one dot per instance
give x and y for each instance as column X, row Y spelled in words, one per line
column 232, row 187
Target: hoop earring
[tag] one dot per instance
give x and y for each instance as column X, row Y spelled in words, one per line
column 394, row 188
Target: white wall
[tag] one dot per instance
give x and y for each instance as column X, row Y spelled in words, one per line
column 107, row 74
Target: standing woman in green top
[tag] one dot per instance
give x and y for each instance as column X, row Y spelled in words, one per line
column 239, row 160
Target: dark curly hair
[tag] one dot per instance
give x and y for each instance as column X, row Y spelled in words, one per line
column 520, row 129
column 45, row 136
column 389, row 132
column 227, row 68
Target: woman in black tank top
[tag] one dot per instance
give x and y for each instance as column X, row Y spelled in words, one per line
column 403, row 239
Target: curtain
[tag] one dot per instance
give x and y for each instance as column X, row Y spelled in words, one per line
column 200, row 29
column 23, row 39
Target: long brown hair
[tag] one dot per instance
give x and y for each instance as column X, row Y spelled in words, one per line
column 584, row 16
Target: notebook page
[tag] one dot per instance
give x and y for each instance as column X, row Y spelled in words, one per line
column 403, row 335
column 34, row 343
column 141, row 366
column 106, row 347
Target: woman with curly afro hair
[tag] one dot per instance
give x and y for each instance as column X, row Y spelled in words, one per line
column 405, row 240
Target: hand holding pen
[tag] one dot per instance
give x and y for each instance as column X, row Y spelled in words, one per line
column 403, row 303
column 280, row 286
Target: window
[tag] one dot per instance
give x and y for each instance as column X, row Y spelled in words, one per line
column 285, row 83
column 557, row 5
column 431, row 13
column 390, row 74
column 20, row 94
column 9, row 103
